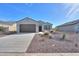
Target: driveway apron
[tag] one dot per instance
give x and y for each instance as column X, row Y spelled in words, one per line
column 16, row 43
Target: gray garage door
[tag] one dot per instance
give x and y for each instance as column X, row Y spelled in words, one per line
column 28, row 28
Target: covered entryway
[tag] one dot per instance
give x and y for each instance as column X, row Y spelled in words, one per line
column 40, row 28
column 29, row 28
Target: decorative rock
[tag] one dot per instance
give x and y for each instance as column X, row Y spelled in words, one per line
column 53, row 45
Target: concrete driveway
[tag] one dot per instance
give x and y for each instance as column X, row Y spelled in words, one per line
column 15, row 43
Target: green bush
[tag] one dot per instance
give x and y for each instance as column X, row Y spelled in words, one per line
column 1, row 28
column 51, row 31
column 46, row 33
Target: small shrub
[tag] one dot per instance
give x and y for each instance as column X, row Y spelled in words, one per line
column 76, row 45
column 41, row 34
column 46, row 33
column 63, row 37
column 77, row 32
column 51, row 31
column 1, row 29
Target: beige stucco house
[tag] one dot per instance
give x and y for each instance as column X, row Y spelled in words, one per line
column 72, row 26
column 26, row 25
column 8, row 26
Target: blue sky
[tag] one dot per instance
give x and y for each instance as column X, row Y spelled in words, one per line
column 55, row 13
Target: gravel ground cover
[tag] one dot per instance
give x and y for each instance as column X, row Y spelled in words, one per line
column 43, row 44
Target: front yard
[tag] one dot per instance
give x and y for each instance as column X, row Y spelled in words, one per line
column 44, row 44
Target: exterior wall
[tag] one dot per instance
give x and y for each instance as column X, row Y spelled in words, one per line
column 77, row 27
column 3, row 25
column 6, row 27
column 37, row 28
column 42, row 27
column 12, row 27
column 50, row 27
column 47, row 27
column 70, row 28
column 9, row 28
column 17, row 28
column 27, row 22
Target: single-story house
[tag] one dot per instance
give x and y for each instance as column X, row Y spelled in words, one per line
column 72, row 26
column 26, row 25
column 8, row 26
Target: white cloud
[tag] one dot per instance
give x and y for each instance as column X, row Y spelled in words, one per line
column 73, row 9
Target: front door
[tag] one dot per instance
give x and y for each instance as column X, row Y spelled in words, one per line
column 40, row 28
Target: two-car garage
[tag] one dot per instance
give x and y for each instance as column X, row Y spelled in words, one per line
column 27, row 25
column 29, row 28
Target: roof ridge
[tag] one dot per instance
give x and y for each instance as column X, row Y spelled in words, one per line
column 70, row 23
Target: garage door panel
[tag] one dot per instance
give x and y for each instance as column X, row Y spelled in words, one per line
column 27, row 28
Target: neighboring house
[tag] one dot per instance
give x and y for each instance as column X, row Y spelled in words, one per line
column 26, row 25
column 72, row 26
column 8, row 26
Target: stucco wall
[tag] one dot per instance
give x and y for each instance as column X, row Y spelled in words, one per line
column 6, row 27
column 67, row 28
column 3, row 25
column 47, row 27
column 12, row 27
column 27, row 22
column 9, row 27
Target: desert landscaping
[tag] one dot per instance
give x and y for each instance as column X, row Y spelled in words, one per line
column 57, row 42
column 52, row 42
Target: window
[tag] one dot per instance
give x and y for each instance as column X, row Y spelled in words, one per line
column 47, row 27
